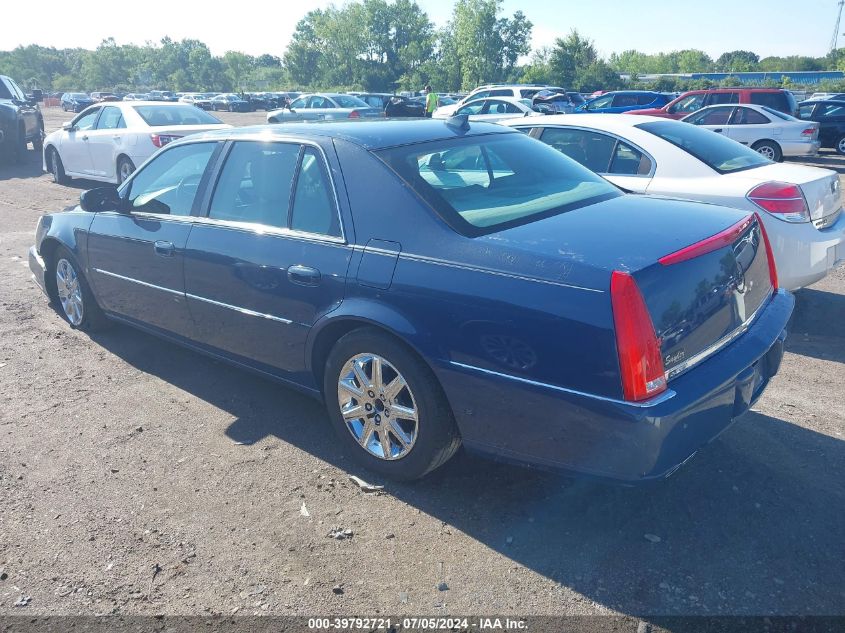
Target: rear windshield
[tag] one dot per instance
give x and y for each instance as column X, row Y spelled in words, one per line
column 156, row 115
column 776, row 100
column 714, row 150
column 780, row 115
column 348, row 101
column 488, row 183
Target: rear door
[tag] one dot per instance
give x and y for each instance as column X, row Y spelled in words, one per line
column 137, row 257
column 270, row 258
column 747, row 126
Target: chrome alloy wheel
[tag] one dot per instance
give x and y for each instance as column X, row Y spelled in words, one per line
column 70, row 292
column 767, row 151
column 124, row 171
column 841, row 145
column 378, row 406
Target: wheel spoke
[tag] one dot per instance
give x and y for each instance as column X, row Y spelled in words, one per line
column 392, row 390
column 353, row 413
column 384, row 439
column 376, row 373
column 366, row 433
column 349, row 387
column 397, row 431
column 406, row 413
column 361, row 375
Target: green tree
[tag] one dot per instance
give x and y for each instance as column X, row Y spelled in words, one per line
column 737, row 62
column 570, row 54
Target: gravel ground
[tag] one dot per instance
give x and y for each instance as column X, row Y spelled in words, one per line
column 140, row 478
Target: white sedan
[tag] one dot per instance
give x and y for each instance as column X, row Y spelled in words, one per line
column 772, row 133
column 108, row 141
column 492, row 110
column 801, row 207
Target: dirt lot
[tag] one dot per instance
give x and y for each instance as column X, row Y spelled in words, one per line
column 139, row 478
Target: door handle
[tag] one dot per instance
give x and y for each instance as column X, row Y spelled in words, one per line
column 164, row 249
column 304, row 275
column 719, row 131
column 116, row 137
column 85, row 137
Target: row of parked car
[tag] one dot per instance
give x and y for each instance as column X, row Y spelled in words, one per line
column 231, row 102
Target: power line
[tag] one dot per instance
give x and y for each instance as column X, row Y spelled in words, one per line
column 835, row 38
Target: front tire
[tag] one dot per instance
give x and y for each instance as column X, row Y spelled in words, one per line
column 769, row 149
column 21, row 146
column 387, row 407
column 74, row 299
column 125, row 168
column 839, row 146
column 38, row 141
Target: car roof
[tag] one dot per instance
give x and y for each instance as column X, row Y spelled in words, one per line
column 371, row 135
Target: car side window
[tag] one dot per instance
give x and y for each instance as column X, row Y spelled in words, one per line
column 832, row 110
column 747, row 116
column 624, row 101
column 299, row 103
column 111, row 119
column 501, row 92
column 482, row 94
column 601, row 102
column 86, row 122
column 319, row 102
column 313, row 206
column 716, row 98
column 628, row 161
column 713, row 116
column 472, row 108
column 688, row 104
column 775, row 100
column 255, row 183
column 805, row 111
column 591, row 149
column 168, row 184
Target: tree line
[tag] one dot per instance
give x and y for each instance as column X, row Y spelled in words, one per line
column 385, row 46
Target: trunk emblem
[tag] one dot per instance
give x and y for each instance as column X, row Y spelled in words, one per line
column 677, row 357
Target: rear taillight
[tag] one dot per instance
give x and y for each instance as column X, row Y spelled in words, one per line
column 354, row 115
column 773, row 270
column 810, row 131
column 781, row 199
column 160, row 140
column 710, row 244
column 640, row 363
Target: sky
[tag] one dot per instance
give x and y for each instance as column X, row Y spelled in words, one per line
column 767, row 27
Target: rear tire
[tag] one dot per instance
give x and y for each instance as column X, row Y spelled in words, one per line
column 839, row 146
column 57, row 168
column 38, row 141
column 404, row 388
column 74, row 299
column 769, row 149
column 21, row 148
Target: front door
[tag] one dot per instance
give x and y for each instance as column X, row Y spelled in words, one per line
column 74, row 148
column 137, row 256
column 105, row 142
column 270, row 258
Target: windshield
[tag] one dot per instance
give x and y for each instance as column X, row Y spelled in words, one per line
column 78, row 95
column 488, row 183
column 157, row 115
column 348, row 101
column 714, row 150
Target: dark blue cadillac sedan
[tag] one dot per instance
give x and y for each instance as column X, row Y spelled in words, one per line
column 437, row 284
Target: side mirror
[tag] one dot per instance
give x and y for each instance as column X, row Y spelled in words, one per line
column 100, row 199
column 67, row 126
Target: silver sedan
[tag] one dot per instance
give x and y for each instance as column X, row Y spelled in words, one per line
column 323, row 106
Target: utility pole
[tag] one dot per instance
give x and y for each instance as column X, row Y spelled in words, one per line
column 834, row 40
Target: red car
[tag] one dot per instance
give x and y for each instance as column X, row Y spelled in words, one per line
column 775, row 98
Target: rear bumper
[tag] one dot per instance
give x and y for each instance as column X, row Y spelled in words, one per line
column 800, row 148
column 533, row 423
column 36, row 265
column 805, row 254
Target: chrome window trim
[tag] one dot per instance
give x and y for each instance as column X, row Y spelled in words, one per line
column 659, row 399
column 562, row 126
column 246, row 311
column 255, row 227
column 719, row 345
column 139, row 282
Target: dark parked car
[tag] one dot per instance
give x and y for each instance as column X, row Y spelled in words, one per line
column 20, row 121
column 99, row 97
column 162, row 95
column 75, row 101
column 437, row 283
column 396, row 106
column 830, row 115
column 230, row 103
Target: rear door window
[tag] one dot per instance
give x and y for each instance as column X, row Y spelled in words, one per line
column 711, row 116
column 645, row 99
column 255, row 184
column 748, row 116
column 715, row 98
column 629, row 161
column 832, row 110
column 313, row 202
column 806, row 111
column 592, row 149
column 625, row 100
column 688, row 104
column 111, row 119
column 776, row 100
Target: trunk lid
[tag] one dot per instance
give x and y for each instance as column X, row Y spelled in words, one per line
column 820, row 187
column 186, row 130
column 696, row 305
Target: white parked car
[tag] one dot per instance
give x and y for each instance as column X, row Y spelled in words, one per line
column 517, row 91
column 493, row 109
column 108, row 141
column 801, row 206
column 772, row 133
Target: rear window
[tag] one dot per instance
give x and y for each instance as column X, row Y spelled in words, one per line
column 780, row 115
column 347, row 101
column 717, row 152
column 489, row 183
column 775, row 100
column 157, row 115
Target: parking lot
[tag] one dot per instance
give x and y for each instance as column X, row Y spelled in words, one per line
column 138, row 477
